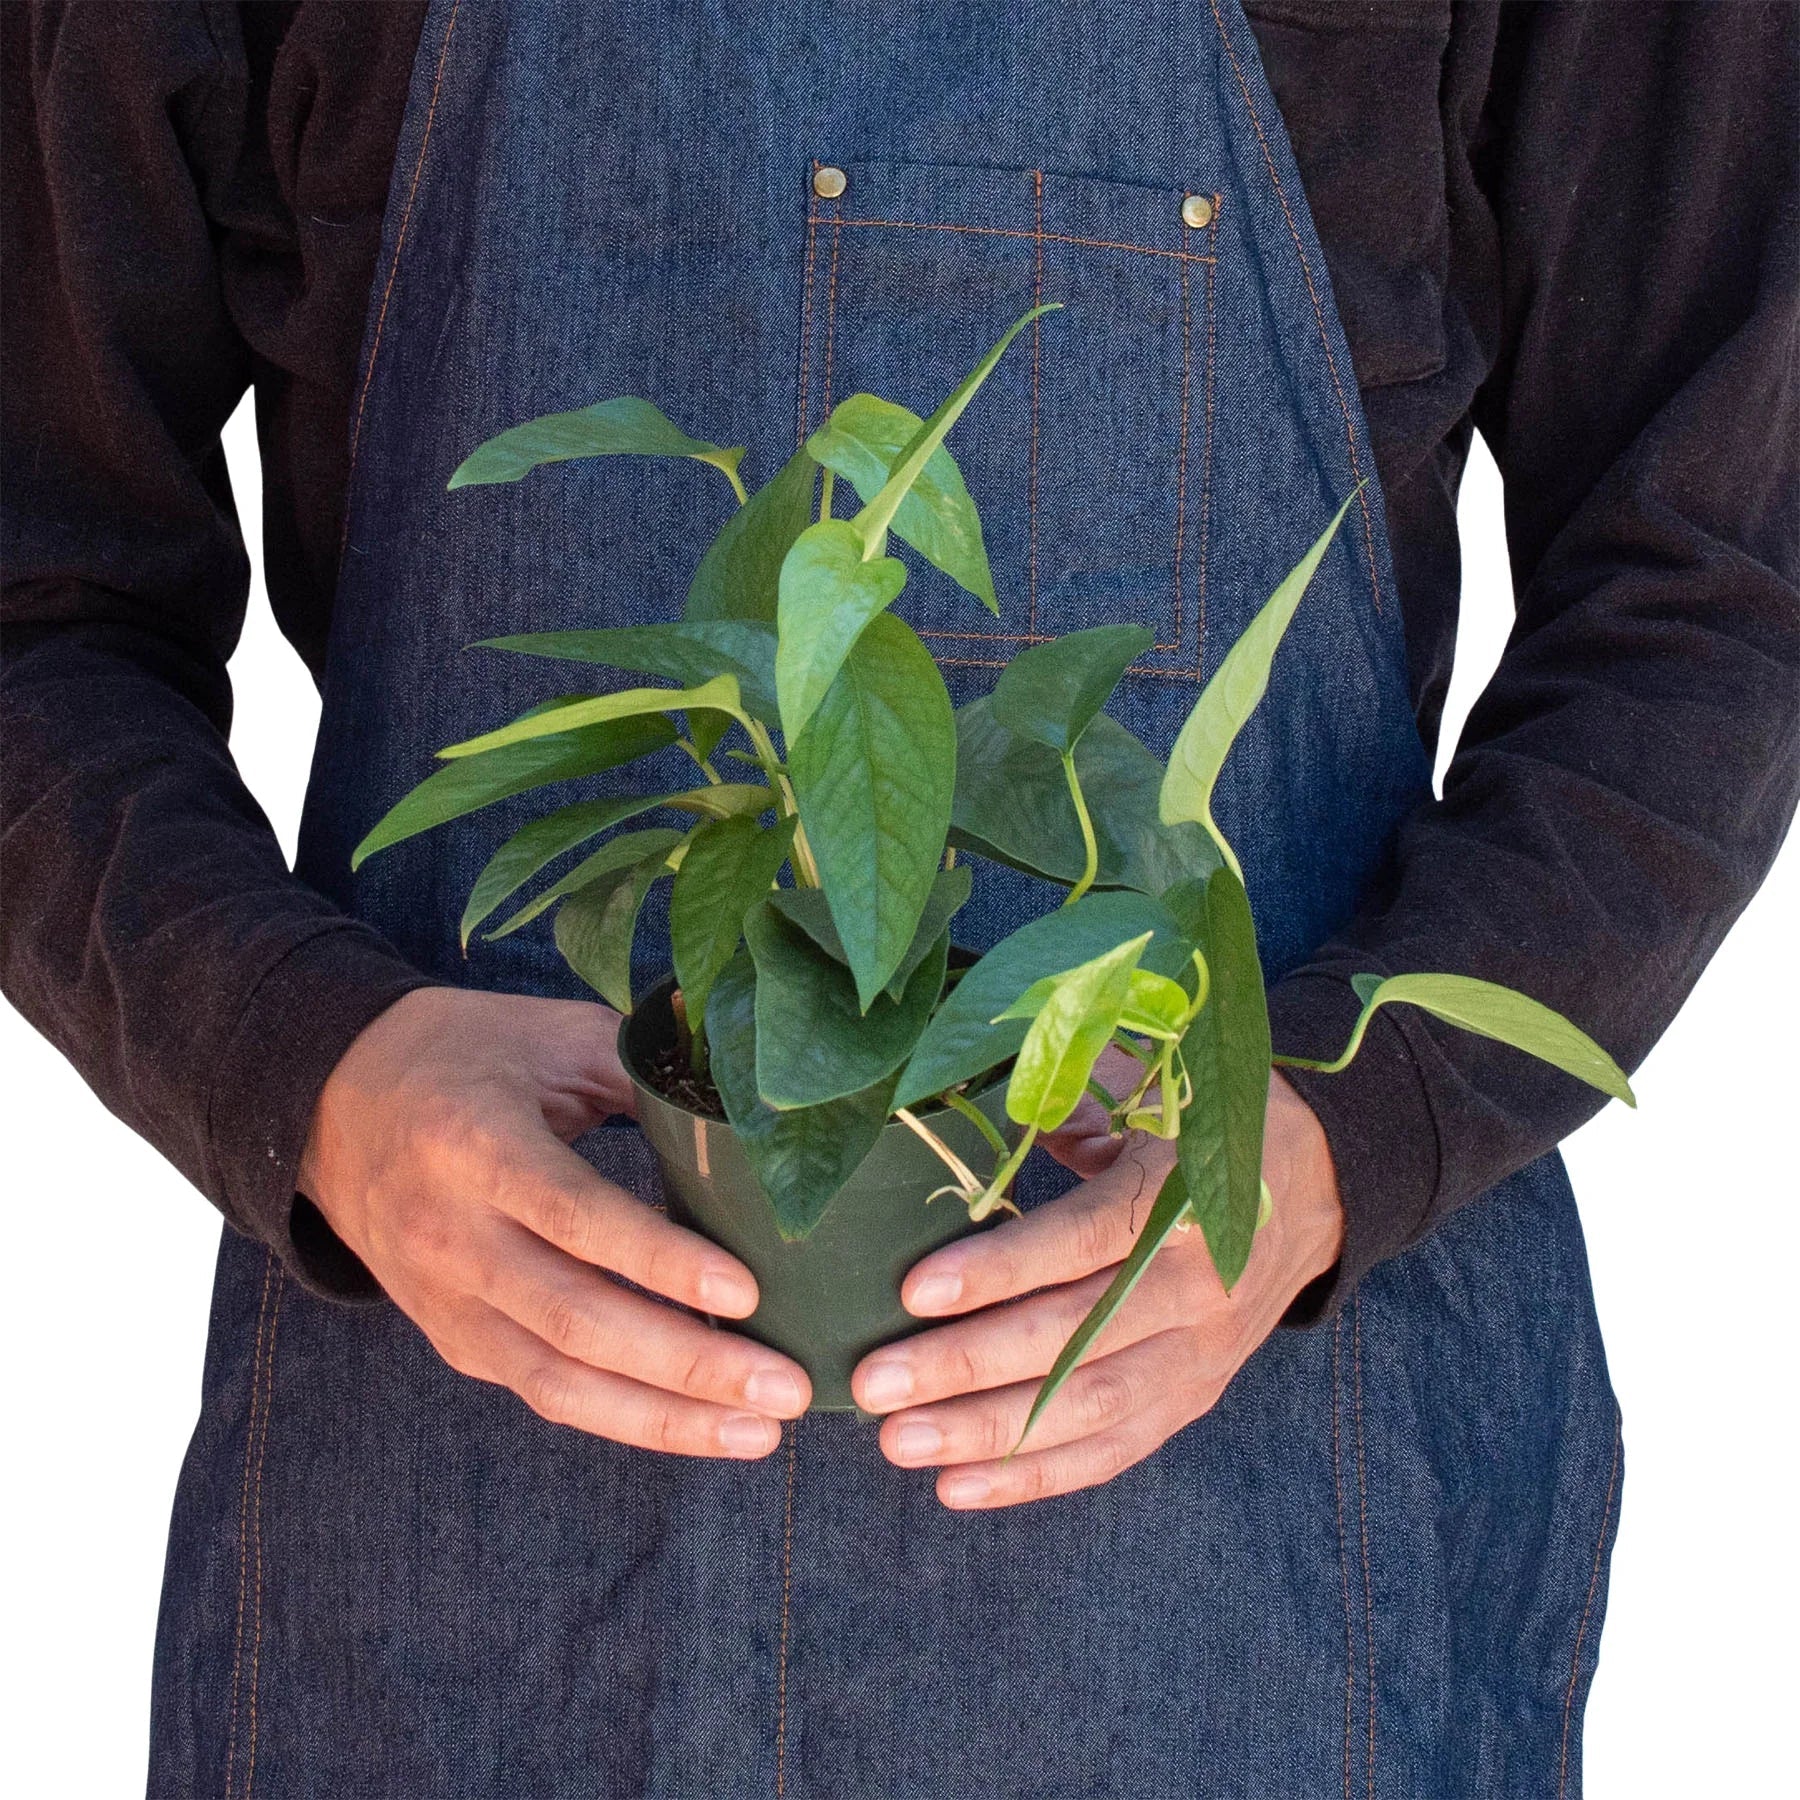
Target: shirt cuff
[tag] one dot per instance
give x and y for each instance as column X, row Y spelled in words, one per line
column 300, row 1019
column 1378, row 1121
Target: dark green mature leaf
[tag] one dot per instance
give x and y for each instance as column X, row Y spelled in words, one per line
column 720, row 693
column 962, row 1041
column 1052, row 692
column 729, row 866
column 1013, row 806
column 811, row 912
column 1226, row 1051
column 1232, row 695
column 802, row 1158
column 828, row 594
column 814, row 1042
column 617, row 853
column 1066, row 1035
column 874, row 772
column 1165, row 1214
column 478, row 781
column 690, row 651
column 622, row 427
column 739, row 574
column 1504, row 1014
column 595, row 926
column 862, row 440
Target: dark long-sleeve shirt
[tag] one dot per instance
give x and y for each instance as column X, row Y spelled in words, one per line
column 1570, row 226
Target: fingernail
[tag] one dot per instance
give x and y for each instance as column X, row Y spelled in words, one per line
column 744, row 1434
column 917, row 1442
column 773, row 1391
column 887, row 1385
column 964, row 1490
column 935, row 1294
column 723, row 1291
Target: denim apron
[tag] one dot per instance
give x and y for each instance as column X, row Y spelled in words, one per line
column 1378, row 1566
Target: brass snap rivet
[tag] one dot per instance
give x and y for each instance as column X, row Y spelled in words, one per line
column 828, row 182
column 1197, row 211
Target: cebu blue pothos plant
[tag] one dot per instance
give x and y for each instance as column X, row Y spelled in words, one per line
column 815, row 858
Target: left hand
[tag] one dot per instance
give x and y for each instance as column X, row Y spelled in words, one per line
column 957, row 1397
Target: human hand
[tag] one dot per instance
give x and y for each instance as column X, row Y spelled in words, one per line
column 957, row 1397
column 439, row 1153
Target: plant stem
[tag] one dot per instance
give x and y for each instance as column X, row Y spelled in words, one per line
column 700, row 762
column 967, row 1182
column 1091, row 867
column 737, row 486
column 1339, row 1063
column 825, row 487
column 978, row 1119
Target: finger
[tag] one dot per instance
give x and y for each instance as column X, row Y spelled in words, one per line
column 1091, row 1228
column 582, row 1076
column 1038, row 1475
column 1100, row 1396
column 492, row 1347
column 1007, row 1343
column 585, row 1315
column 1087, row 1156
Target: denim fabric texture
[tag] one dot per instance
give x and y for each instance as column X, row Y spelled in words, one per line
column 1378, row 1568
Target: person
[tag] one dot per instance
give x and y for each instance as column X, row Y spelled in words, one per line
column 1352, row 1520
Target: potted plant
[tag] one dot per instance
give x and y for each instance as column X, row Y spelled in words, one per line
column 833, row 1089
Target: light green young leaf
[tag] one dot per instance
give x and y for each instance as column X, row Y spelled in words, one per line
column 1052, row 692
column 828, row 594
column 720, row 694
column 808, row 909
column 622, row 427
column 1064, row 1041
column 1230, row 697
column 595, row 926
column 861, row 442
column 737, row 577
column 616, row 853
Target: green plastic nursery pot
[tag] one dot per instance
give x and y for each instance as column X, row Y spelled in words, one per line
column 830, row 1298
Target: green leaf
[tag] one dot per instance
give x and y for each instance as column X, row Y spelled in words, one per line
column 828, row 595
column 738, row 576
column 1226, row 1053
column 1013, row 806
column 595, row 926
column 875, row 518
column 874, row 772
column 467, row 786
column 729, row 866
column 808, row 909
column 622, row 427
column 1064, row 1041
column 690, row 651
column 1504, row 1014
column 814, row 1041
column 1165, row 1214
column 1052, row 692
column 962, row 1040
column 862, row 440
column 802, row 1158
column 720, row 693
column 620, row 852
column 1231, row 696
column 1154, row 1005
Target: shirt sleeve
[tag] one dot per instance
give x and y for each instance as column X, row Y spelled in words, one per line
column 151, row 928
column 1627, row 777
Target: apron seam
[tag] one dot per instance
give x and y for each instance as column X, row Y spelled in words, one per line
column 261, row 1452
column 787, row 1583
column 237, row 1651
column 1207, row 452
column 831, row 290
column 1587, row 1606
column 1018, row 231
column 806, row 278
column 1337, row 1480
column 1037, row 340
column 1362, row 1494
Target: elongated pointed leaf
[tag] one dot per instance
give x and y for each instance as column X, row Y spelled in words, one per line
column 1064, row 1040
column 828, row 595
column 1052, row 692
column 1154, row 1005
column 1165, row 1214
column 617, row 853
column 622, row 427
column 477, row 781
column 862, row 440
column 595, row 927
column 802, row 1158
column 729, row 866
column 1504, row 1014
column 811, row 912
column 1226, row 1051
column 875, row 518
column 721, row 694
column 690, row 651
column 874, row 772
column 1232, row 695
column 962, row 1040
column 739, row 574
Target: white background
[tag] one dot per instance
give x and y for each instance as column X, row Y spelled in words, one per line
column 1690, row 1212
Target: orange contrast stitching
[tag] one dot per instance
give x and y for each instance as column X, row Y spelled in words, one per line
column 256, row 1519
column 1612, row 1488
column 237, row 1651
column 1362, row 1498
column 387, row 293
column 1181, row 443
column 1337, row 380
column 1049, row 237
column 1337, row 1481
column 787, row 1581
column 1207, row 453
column 812, row 220
column 837, row 238
column 1037, row 339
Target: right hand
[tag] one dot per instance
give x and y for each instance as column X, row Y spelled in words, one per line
column 439, row 1153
